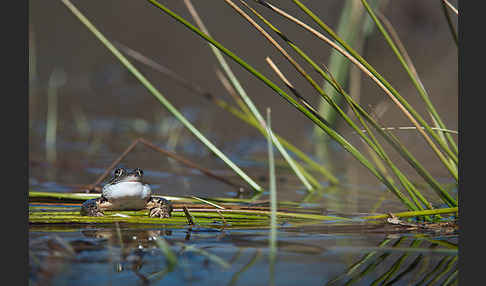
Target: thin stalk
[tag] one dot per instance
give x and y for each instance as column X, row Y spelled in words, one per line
column 159, row 96
column 294, row 165
column 51, row 124
column 227, row 85
column 208, row 202
column 449, row 23
column 273, row 202
column 402, row 104
column 32, row 55
column 408, row 66
column 455, row 132
column 451, row 7
column 336, row 136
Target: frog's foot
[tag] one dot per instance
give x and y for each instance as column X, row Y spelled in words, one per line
column 159, row 207
column 94, row 207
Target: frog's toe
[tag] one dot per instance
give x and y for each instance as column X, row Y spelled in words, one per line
column 91, row 208
column 158, row 212
column 159, row 207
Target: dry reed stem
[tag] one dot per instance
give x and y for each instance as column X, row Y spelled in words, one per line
column 451, row 7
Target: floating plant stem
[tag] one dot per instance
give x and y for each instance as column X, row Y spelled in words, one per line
column 208, row 202
column 159, row 96
column 415, row 213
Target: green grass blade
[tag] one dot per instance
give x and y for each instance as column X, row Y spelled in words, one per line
column 159, row 96
column 273, row 202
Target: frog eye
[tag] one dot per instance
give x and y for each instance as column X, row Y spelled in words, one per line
column 118, row 172
column 139, row 172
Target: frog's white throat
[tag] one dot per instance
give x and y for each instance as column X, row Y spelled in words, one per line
column 127, row 195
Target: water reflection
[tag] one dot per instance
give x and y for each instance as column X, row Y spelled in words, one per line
column 125, row 255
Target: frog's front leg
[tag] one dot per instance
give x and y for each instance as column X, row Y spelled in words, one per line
column 159, row 207
column 94, row 207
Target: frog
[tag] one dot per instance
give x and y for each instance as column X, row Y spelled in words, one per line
column 126, row 190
